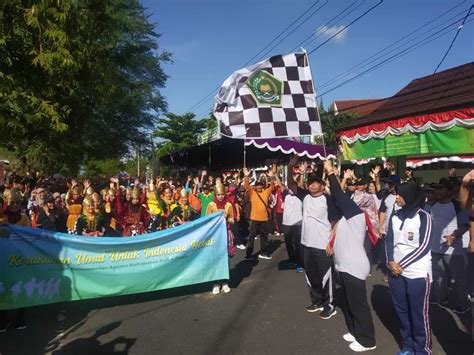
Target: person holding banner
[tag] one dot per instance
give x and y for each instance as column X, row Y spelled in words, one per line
column 13, row 215
column 220, row 203
column 89, row 222
column 260, row 224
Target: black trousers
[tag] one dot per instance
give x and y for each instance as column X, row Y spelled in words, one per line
column 234, row 227
column 319, row 268
column 356, row 309
column 261, row 228
column 293, row 243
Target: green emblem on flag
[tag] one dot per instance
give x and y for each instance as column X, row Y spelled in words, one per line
column 265, row 88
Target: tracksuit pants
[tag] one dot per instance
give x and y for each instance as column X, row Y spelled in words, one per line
column 446, row 266
column 261, row 228
column 411, row 300
column 293, row 243
column 356, row 309
column 318, row 269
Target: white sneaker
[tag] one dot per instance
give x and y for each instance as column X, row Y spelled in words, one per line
column 216, row 289
column 348, row 337
column 355, row 346
column 225, row 288
column 241, row 246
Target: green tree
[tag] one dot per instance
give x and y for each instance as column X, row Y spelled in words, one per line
column 77, row 79
column 178, row 132
column 330, row 123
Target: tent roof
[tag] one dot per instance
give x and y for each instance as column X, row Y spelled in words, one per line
column 227, row 153
column 447, row 90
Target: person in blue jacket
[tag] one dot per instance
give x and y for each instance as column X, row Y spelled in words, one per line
column 408, row 248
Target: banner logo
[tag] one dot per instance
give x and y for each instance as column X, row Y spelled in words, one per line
column 265, row 88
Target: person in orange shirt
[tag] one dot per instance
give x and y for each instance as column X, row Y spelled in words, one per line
column 259, row 215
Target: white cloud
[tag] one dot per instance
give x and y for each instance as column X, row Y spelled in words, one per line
column 327, row 31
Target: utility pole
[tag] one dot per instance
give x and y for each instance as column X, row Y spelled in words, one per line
column 154, row 171
column 138, row 160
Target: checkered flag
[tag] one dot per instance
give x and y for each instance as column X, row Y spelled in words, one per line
column 273, row 98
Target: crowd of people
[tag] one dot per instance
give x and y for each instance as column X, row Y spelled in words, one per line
column 336, row 227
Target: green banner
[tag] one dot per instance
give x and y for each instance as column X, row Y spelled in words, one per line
column 39, row 267
column 455, row 140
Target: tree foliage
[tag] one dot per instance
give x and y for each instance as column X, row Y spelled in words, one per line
column 179, row 131
column 330, row 123
column 78, row 80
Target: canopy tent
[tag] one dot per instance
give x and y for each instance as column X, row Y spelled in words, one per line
column 431, row 115
column 227, row 153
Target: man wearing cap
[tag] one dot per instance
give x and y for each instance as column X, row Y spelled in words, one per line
column 319, row 215
column 450, row 222
column 258, row 215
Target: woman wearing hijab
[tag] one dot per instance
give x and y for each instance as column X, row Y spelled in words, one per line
column 408, row 245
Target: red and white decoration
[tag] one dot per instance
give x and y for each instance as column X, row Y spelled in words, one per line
column 416, row 163
column 439, row 121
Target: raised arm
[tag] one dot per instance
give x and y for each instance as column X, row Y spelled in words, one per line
column 343, row 202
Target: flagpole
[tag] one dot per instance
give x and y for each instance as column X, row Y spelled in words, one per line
column 245, row 154
column 316, row 101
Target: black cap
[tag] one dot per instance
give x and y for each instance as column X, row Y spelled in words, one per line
column 314, row 178
column 48, row 199
column 350, row 182
column 446, row 183
column 361, row 181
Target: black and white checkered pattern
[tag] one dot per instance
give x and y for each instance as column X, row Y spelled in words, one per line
column 240, row 116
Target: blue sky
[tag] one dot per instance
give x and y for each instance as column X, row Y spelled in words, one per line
column 210, row 39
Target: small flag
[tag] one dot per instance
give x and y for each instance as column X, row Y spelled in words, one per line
column 273, row 98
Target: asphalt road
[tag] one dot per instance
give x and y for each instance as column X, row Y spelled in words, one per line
column 264, row 314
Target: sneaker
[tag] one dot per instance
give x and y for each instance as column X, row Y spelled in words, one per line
column 314, row 308
column 328, row 312
column 20, row 326
column 461, row 309
column 290, row 265
column 216, row 289
column 355, row 346
column 3, row 329
column 225, row 288
column 248, row 258
column 265, row 256
column 385, row 278
column 348, row 337
column 241, row 246
column 299, row 269
column 404, row 352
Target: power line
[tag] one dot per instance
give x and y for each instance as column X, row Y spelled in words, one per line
column 281, row 33
column 320, row 31
column 454, row 39
column 379, row 54
column 399, row 54
column 200, row 102
column 329, row 39
column 292, row 31
column 347, row 26
column 394, row 57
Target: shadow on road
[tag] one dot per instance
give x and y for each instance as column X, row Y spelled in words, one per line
column 120, row 345
column 383, row 307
